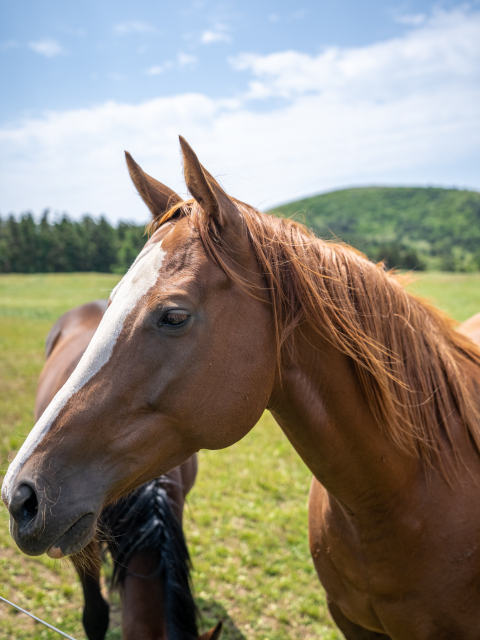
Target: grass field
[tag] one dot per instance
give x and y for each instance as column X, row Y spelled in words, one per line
column 246, row 522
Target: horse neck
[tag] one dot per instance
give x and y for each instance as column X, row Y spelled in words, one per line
column 323, row 412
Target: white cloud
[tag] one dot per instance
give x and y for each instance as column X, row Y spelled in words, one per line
column 411, row 19
column 183, row 60
column 218, row 34
column 156, row 70
column 401, row 111
column 446, row 50
column 48, row 48
column 134, row 27
column 187, row 60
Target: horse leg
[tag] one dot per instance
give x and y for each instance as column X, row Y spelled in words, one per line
column 188, row 470
column 96, row 610
column 180, row 481
column 143, row 608
column 350, row 630
column 151, row 562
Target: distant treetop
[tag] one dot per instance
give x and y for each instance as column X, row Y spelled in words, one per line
column 408, row 227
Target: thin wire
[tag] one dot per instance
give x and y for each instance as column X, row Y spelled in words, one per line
column 37, row 619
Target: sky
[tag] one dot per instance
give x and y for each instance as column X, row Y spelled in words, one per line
column 280, row 100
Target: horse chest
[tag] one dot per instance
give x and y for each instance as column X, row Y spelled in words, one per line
column 418, row 576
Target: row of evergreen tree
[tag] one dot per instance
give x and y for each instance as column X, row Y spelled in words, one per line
column 408, row 227
column 64, row 245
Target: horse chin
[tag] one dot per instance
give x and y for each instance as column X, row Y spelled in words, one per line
column 71, row 541
column 75, row 538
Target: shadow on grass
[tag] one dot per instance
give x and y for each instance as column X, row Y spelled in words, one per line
column 212, row 612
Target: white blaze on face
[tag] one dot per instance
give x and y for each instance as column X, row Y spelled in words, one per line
column 141, row 277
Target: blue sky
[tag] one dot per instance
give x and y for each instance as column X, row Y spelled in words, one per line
column 280, row 99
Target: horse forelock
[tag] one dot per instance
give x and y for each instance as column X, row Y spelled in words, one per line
column 140, row 278
column 406, row 353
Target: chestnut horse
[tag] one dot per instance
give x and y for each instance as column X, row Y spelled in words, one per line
column 142, row 531
column 227, row 312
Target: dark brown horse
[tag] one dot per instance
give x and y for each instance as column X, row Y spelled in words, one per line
column 142, row 531
column 228, row 311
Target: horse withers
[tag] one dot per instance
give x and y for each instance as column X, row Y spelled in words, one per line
column 142, row 531
column 228, row 311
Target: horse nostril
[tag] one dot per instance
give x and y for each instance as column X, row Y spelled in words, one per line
column 24, row 505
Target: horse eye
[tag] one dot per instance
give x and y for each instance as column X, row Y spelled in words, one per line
column 174, row 319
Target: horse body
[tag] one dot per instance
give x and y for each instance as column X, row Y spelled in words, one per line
column 142, row 575
column 227, row 312
column 395, row 544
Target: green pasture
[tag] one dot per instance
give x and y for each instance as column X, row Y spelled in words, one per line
column 246, row 521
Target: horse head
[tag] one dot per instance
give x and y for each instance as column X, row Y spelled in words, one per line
column 184, row 358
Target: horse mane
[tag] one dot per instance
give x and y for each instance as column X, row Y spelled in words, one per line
column 144, row 521
column 408, row 356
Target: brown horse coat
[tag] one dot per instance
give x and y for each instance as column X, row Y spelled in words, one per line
column 144, row 614
column 228, row 311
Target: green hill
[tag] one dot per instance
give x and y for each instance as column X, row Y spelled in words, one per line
column 411, row 228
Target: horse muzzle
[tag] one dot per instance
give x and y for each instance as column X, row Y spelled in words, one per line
column 39, row 525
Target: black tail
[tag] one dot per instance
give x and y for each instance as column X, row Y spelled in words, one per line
column 144, row 521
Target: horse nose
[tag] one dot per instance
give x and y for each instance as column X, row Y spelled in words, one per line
column 23, row 506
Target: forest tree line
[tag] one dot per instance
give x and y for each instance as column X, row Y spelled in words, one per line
column 408, row 228
column 65, row 245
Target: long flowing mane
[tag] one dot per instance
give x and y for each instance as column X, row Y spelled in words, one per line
column 408, row 356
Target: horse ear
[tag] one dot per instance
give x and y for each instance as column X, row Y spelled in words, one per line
column 213, row 200
column 213, row 634
column 156, row 195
